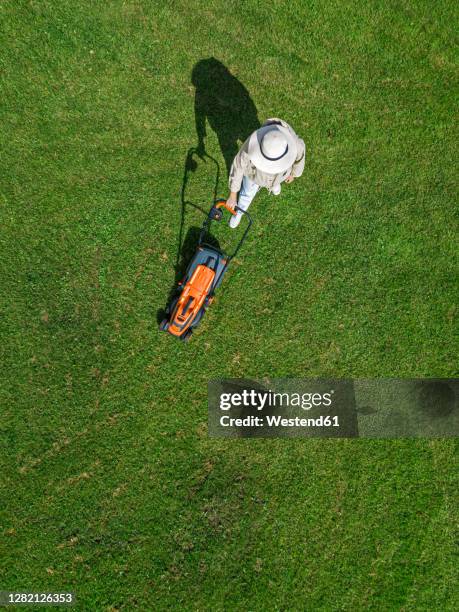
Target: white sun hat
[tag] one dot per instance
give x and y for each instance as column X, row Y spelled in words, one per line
column 272, row 149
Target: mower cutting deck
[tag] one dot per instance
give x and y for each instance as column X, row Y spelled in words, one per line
column 203, row 276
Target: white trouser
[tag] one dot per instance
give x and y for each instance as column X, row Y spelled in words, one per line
column 248, row 191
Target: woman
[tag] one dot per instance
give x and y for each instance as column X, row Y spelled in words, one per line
column 271, row 155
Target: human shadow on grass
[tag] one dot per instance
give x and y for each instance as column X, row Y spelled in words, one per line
column 223, row 101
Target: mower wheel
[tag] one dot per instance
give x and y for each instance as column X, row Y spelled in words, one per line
column 186, row 336
column 164, row 325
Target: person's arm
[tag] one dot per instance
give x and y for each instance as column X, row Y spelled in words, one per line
column 298, row 166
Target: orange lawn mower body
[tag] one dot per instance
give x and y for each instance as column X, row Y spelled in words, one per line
column 203, row 276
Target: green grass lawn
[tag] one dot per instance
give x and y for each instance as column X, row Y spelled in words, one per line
column 109, row 484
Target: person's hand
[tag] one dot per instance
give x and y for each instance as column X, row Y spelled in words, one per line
column 290, row 179
column 231, row 202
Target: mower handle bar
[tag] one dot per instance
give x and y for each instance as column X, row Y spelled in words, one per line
column 222, row 204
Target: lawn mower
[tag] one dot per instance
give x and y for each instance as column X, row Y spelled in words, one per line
column 205, row 272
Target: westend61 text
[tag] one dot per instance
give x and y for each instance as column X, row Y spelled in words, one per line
column 278, row 421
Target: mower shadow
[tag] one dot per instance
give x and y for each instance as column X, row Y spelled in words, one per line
column 187, row 245
column 222, row 102
column 191, row 164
